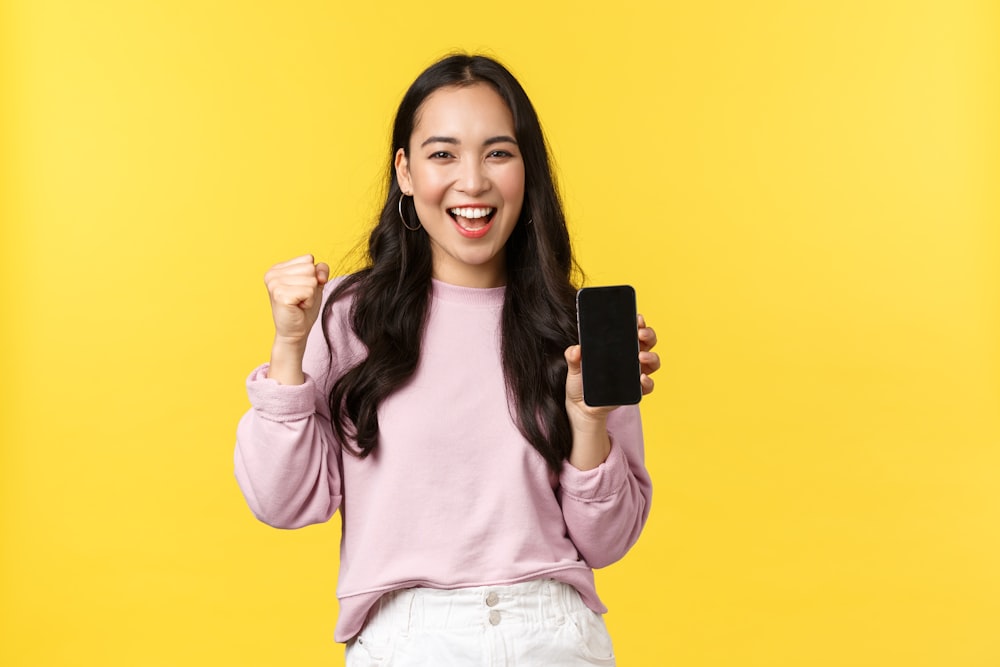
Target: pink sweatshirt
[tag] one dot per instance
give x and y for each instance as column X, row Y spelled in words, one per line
column 453, row 496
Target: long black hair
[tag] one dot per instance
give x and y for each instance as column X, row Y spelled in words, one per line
column 391, row 294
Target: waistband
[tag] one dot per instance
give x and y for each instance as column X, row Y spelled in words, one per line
column 542, row 602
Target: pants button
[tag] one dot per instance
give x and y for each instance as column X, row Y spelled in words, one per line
column 494, row 617
column 492, row 599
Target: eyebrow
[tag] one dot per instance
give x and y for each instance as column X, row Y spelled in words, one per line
column 503, row 138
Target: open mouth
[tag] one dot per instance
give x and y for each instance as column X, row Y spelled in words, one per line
column 472, row 221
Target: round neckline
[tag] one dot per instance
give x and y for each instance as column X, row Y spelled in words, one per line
column 475, row 296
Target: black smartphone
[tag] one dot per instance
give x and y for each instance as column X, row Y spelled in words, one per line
column 609, row 344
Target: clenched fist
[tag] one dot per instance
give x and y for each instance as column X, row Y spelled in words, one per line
column 295, row 288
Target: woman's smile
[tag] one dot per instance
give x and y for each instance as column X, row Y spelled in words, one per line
column 473, row 221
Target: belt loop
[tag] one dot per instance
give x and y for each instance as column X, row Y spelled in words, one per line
column 565, row 598
column 412, row 594
column 552, row 606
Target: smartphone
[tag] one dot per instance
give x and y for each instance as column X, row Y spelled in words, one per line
column 609, row 344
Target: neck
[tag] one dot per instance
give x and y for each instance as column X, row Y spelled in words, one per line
column 479, row 276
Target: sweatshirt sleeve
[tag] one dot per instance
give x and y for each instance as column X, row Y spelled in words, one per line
column 606, row 508
column 287, row 460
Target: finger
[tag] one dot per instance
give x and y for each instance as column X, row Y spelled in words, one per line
column 290, row 276
column 297, row 274
column 647, row 384
column 294, row 295
column 649, row 361
column 302, row 269
column 303, row 259
column 647, row 339
column 297, row 278
column 298, row 266
column 640, row 321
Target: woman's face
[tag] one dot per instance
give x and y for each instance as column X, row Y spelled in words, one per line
column 466, row 176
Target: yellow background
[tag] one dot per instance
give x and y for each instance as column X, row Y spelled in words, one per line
column 803, row 193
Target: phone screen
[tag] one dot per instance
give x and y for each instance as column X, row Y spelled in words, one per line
column 609, row 342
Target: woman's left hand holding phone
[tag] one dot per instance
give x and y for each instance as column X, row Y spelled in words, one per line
column 295, row 288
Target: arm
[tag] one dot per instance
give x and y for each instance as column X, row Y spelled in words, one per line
column 287, row 462
column 604, row 486
column 605, row 508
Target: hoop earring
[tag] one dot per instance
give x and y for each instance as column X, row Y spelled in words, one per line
column 399, row 207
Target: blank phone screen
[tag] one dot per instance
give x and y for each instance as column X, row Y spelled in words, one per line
column 609, row 345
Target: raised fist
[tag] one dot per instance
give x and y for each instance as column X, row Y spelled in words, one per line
column 296, row 291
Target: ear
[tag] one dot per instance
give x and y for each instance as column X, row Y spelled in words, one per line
column 403, row 172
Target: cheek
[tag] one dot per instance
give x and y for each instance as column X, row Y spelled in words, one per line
column 512, row 185
column 428, row 185
column 425, row 188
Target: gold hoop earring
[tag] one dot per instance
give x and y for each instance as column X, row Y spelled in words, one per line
column 399, row 207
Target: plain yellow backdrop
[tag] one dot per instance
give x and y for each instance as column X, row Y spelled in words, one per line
column 803, row 193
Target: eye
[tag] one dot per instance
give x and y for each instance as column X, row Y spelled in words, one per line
column 440, row 155
column 500, row 154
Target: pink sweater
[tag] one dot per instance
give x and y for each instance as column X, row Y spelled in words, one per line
column 453, row 496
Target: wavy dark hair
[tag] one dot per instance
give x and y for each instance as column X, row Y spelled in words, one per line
column 392, row 292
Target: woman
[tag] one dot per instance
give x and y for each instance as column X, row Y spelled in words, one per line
column 437, row 402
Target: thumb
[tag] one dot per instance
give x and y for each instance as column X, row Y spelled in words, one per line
column 573, row 357
column 322, row 272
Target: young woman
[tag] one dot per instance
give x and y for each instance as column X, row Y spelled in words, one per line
column 435, row 399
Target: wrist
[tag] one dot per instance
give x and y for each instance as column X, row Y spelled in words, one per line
column 591, row 443
column 286, row 362
column 585, row 419
column 589, row 426
column 589, row 453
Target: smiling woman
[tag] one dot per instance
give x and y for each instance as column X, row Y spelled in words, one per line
column 437, row 394
column 465, row 174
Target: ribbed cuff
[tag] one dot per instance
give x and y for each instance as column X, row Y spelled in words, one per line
column 280, row 402
column 599, row 483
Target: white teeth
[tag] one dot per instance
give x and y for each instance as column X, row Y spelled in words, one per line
column 471, row 213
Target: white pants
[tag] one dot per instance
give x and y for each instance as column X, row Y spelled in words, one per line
column 540, row 622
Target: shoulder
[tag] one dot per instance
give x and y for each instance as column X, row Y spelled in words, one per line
column 341, row 288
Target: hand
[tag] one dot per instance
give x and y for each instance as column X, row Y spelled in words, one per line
column 589, row 423
column 295, row 288
column 649, row 363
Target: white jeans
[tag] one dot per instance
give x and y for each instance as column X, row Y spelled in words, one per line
column 540, row 622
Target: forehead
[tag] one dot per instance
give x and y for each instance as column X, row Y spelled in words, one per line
column 463, row 111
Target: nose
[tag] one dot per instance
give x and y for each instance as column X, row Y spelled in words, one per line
column 472, row 178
